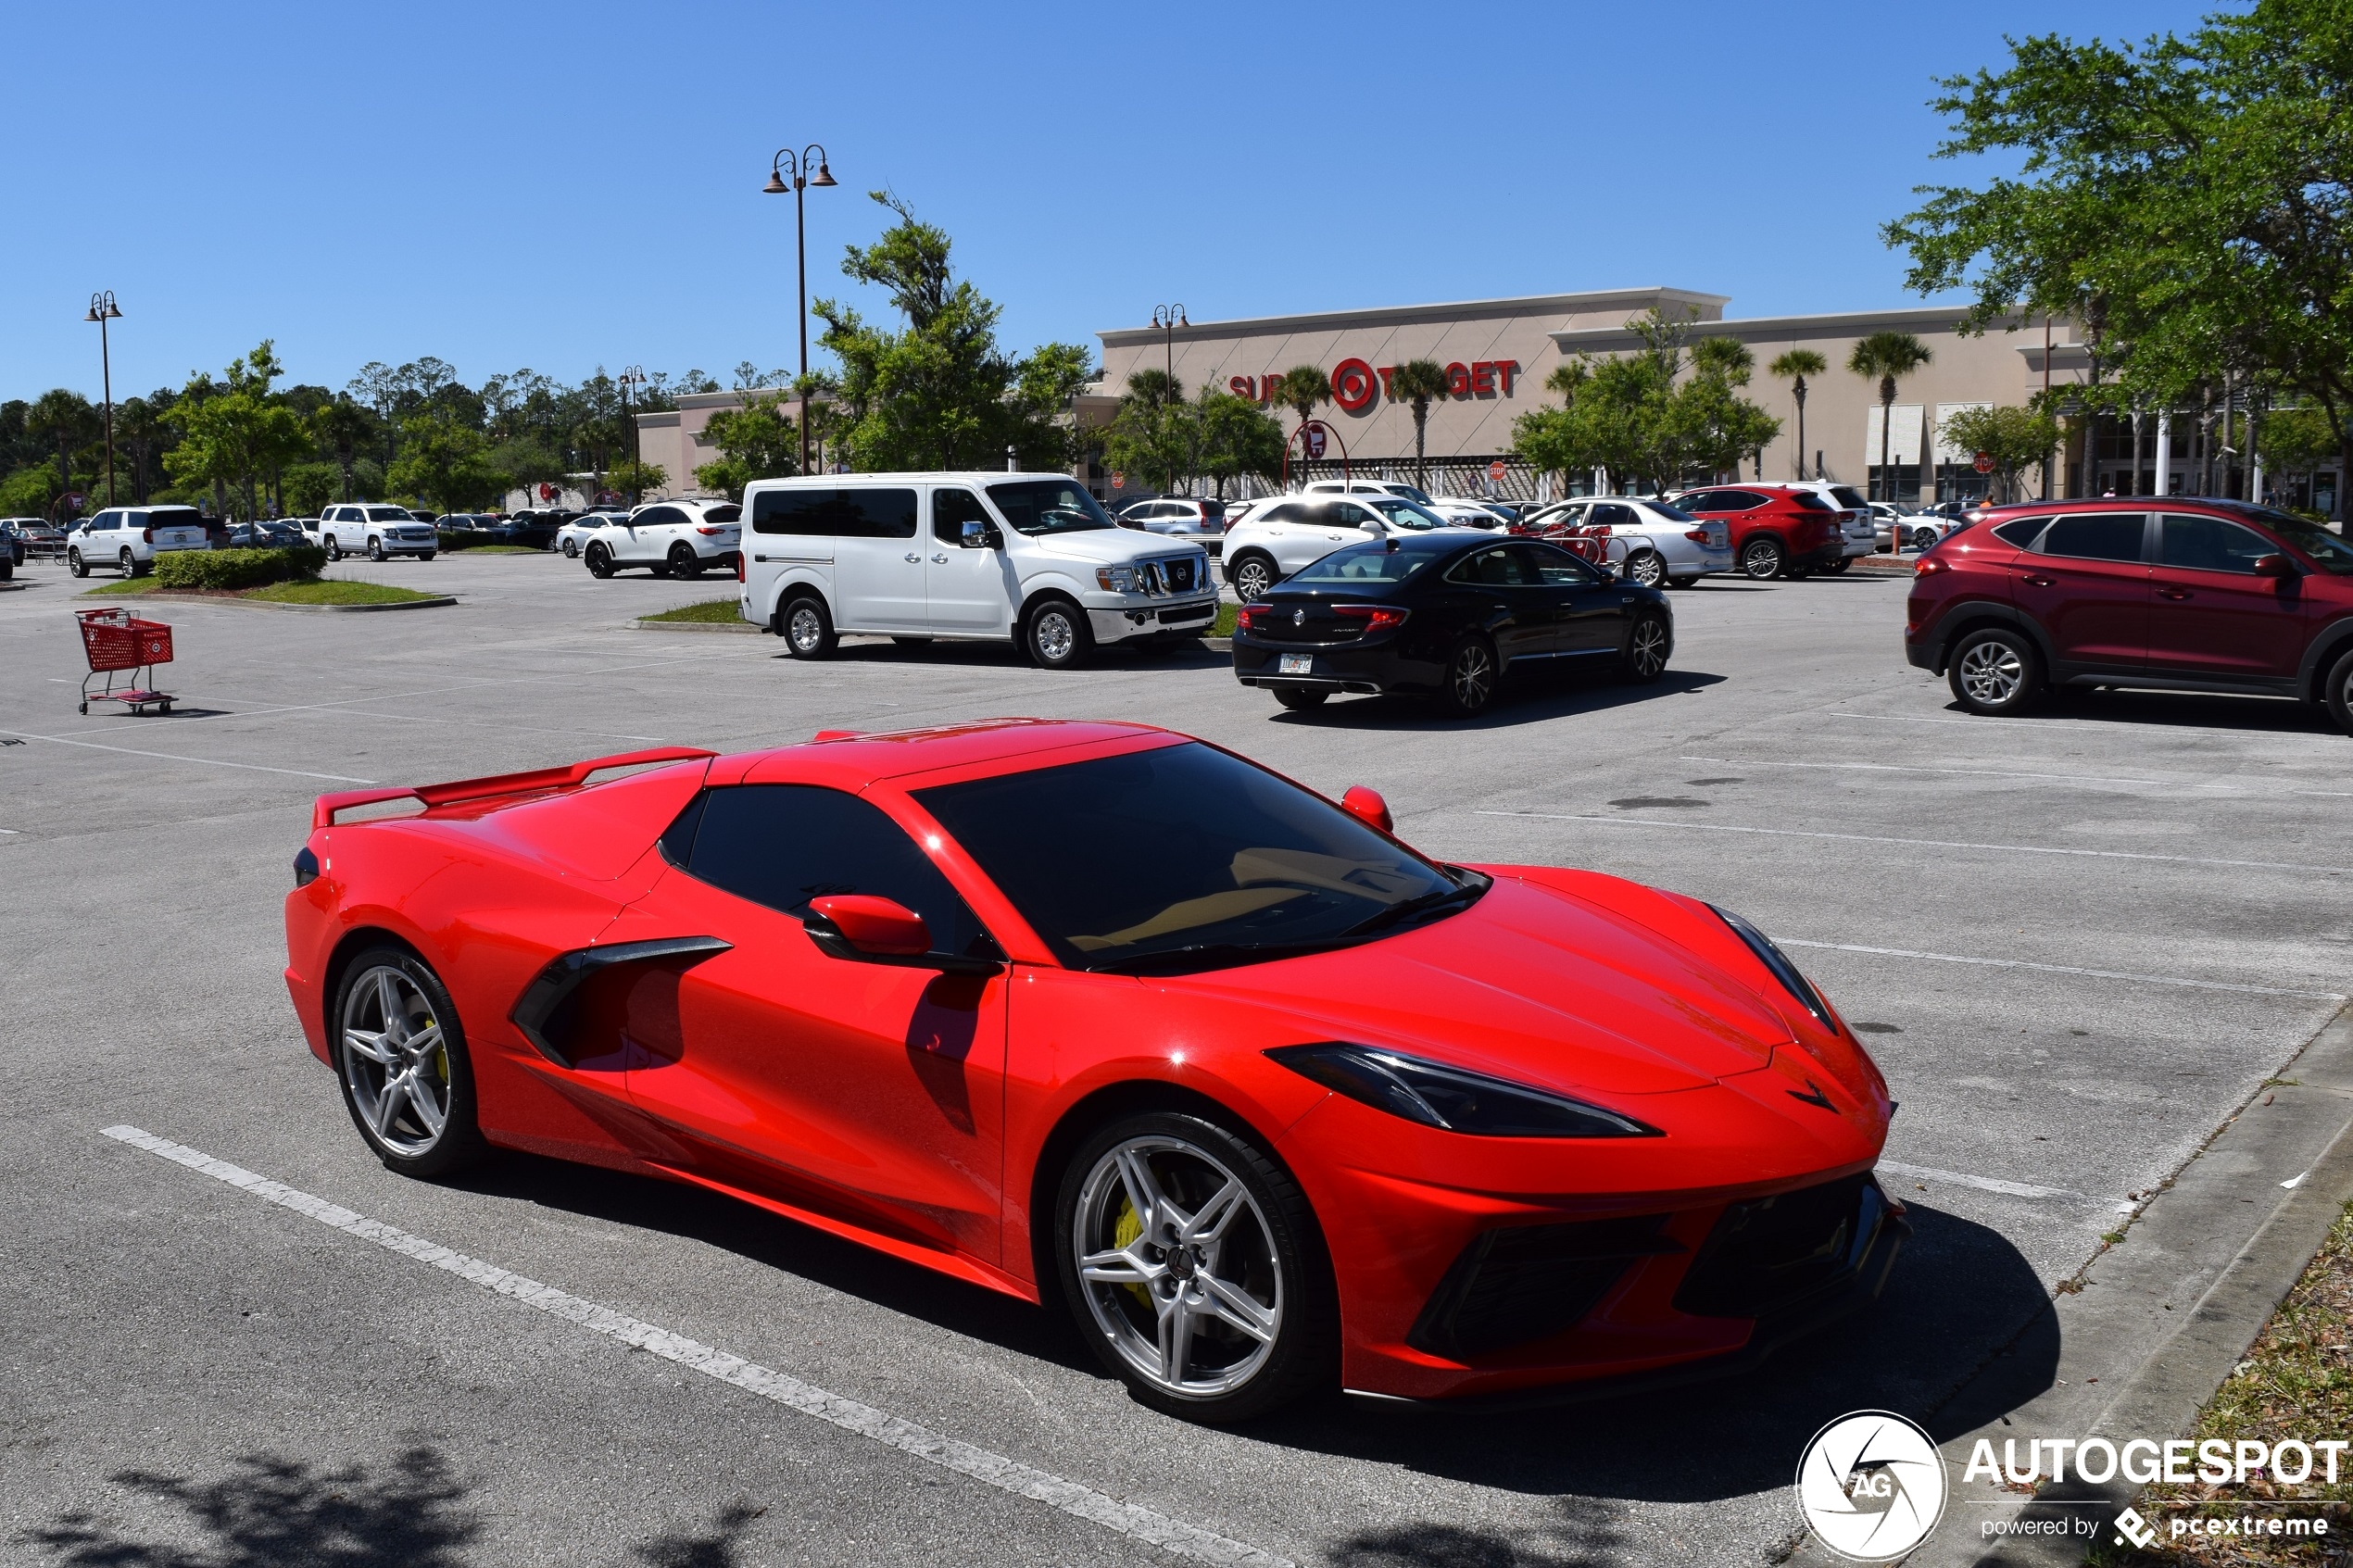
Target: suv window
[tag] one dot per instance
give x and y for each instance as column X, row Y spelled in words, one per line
column 784, row 845
column 1810, row 501
column 2021, row 531
column 1348, row 514
column 2096, row 537
column 727, row 513
column 836, row 514
column 1497, row 568
column 1742, row 500
column 652, row 516
column 2209, row 544
column 950, row 509
column 1851, row 498
column 1287, row 511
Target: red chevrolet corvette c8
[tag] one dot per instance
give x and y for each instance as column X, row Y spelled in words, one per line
column 1102, row 1015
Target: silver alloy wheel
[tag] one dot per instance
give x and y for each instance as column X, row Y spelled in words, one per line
column 1252, row 579
column 1761, row 561
column 1923, row 538
column 804, row 628
column 128, row 562
column 1054, row 636
column 1649, row 650
column 1992, row 672
column 571, row 550
column 396, row 1061
column 1178, row 1267
column 1471, row 678
column 1646, row 569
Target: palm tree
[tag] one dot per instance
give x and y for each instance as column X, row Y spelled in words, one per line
column 1304, row 387
column 342, row 426
column 67, row 418
column 1154, row 389
column 1419, row 383
column 1793, row 368
column 1887, row 356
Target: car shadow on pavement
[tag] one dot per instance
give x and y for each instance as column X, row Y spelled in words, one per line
column 2178, row 709
column 1525, row 700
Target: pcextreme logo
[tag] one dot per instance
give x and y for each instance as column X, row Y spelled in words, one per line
column 1872, row 1486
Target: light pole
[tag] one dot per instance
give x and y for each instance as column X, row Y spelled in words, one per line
column 634, row 376
column 1168, row 318
column 789, row 171
column 102, row 310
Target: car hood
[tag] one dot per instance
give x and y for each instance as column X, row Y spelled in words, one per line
column 1101, row 546
column 1528, row 984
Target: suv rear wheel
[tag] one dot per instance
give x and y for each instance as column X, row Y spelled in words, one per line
column 684, row 562
column 1996, row 671
column 1253, row 575
column 2338, row 693
column 1761, row 559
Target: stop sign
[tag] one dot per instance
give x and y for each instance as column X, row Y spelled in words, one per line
column 1118, row 479
column 1495, row 471
column 1984, row 462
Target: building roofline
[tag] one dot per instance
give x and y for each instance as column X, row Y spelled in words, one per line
column 1562, row 304
column 1944, row 317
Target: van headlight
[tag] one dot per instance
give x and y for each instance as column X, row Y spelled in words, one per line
column 1116, row 579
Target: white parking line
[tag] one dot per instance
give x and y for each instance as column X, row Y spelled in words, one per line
column 1982, row 1184
column 994, row 1470
column 175, row 756
column 1969, row 772
column 1923, row 843
column 2064, row 969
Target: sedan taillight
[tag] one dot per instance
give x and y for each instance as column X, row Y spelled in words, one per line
column 1696, row 536
column 1377, row 618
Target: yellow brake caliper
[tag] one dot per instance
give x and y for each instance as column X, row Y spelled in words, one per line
column 1124, row 1231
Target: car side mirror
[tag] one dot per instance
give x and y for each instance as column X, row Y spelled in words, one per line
column 976, row 536
column 2274, row 566
column 874, row 926
column 1368, row 807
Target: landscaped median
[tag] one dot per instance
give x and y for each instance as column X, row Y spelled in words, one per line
column 725, row 615
column 287, row 577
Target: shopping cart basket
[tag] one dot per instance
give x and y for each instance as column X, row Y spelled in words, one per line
column 119, row 645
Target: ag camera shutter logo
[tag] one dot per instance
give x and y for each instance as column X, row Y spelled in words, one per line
column 1872, row 1486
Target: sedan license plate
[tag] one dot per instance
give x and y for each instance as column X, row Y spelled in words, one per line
column 1298, row 664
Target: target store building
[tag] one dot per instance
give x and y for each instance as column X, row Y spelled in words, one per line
column 1497, row 354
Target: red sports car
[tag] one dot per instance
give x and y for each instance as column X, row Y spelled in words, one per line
column 1103, row 1013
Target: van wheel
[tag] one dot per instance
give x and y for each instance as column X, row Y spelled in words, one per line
column 808, row 630
column 599, row 560
column 1058, row 636
column 1761, row 559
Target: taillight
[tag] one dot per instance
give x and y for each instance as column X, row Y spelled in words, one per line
column 740, row 566
column 1929, row 566
column 1696, row 536
column 1377, row 618
column 149, row 534
column 710, row 528
column 1246, row 619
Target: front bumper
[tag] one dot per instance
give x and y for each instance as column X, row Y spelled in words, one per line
column 1191, row 616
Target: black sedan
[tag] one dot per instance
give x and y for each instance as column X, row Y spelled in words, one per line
column 1445, row 616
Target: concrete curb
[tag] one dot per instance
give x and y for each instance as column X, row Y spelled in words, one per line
column 437, row 602
column 643, row 624
column 2163, row 1316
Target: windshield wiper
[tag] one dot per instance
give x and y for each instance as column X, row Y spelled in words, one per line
column 1214, row 955
column 1463, row 897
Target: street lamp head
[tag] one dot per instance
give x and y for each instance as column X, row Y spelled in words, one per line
column 775, row 187
column 824, row 175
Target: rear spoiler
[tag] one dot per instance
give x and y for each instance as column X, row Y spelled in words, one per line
column 322, row 813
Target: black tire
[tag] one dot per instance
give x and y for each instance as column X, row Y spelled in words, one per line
column 1840, row 565
column 428, row 554
column 334, row 548
column 393, row 981
column 75, row 564
column 7, row 569
column 1646, row 569
column 1763, row 559
column 1472, row 678
column 1996, row 671
column 1682, row 582
column 1251, row 575
column 2338, row 693
column 1649, row 643
column 1923, row 539
column 1269, row 1248
column 600, row 559
column 1299, row 699
column 571, row 550
column 684, row 562
column 807, row 628
column 1056, row 636
column 133, row 566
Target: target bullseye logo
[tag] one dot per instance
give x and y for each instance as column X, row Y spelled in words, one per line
column 1354, row 384
column 1872, row 1486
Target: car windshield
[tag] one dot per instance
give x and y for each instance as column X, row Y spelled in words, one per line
column 1049, row 506
column 1402, row 512
column 1364, row 563
column 1672, row 514
column 2329, row 553
column 1240, row 866
column 388, row 514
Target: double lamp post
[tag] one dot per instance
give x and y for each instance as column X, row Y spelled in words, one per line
column 789, row 171
column 102, row 310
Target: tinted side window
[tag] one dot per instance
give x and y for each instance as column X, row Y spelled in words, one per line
column 728, row 513
column 1556, row 568
column 1497, row 568
column 1736, row 501
column 1287, row 511
column 838, row 514
column 1615, row 514
column 2096, row 537
column 653, row 516
column 2209, row 544
column 784, row 845
column 1704, row 501
column 950, row 509
column 2021, row 531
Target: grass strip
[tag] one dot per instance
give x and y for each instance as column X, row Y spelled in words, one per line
column 122, row 589
column 2296, row 1381
column 701, row 612
column 336, row 591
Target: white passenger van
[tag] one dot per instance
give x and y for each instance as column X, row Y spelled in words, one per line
column 1030, row 558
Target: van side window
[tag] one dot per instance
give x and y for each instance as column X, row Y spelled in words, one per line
column 950, row 509
column 836, row 514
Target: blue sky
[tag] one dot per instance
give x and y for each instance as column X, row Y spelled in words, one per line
column 562, row 186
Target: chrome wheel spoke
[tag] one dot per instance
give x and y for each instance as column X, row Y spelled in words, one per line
column 388, row 1102
column 1123, row 1266
column 388, row 1002
column 1175, row 1340
column 1232, row 1304
column 1209, row 1224
column 369, row 1044
column 1143, row 1193
column 426, row 1099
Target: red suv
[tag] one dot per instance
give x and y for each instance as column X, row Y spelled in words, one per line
column 2190, row 595
column 1778, row 530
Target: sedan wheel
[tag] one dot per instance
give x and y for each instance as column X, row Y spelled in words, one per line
column 1923, row 538
column 402, row 1060
column 1192, row 1267
column 1761, row 559
column 1646, row 567
column 1471, row 677
column 1995, row 672
column 1646, row 650
column 571, row 550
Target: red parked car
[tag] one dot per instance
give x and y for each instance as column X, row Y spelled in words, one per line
column 1101, row 1013
column 1777, row 530
column 2189, row 593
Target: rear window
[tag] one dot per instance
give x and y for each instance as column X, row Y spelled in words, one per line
column 2096, row 537
column 1213, row 510
column 1848, row 496
column 1806, row 501
column 836, row 514
column 1365, row 564
column 723, row 514
column 2019, row 531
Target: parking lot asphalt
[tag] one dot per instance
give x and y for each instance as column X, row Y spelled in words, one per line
column 2076, row 942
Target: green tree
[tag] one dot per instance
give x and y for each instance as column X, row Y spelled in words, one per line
column 756, row 440
column 307, row 488
column 2184, row 199
column 70, row 424
column 139, row 431
column 1299, row 389
column 444, row 460
column 1609, row 420
column 2294, row 441
column 634, row 479
column 1155, row 433
column 29, row 491
column 1884, row 356
column 2014, row 438
column 1793, row 368
column 1417, row 384
column 344, row 430
column 527, row 462
column 1237, row 438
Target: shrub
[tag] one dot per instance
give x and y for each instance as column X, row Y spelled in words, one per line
column 238, row 569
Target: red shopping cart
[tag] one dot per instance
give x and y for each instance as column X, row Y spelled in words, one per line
column 118, row 644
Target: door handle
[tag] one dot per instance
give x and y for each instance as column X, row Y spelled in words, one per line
column 2172, row 593
column 2032, row 581
column 915, row 555
column 939, row 561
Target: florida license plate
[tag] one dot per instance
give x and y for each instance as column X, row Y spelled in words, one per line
column 1298, row 664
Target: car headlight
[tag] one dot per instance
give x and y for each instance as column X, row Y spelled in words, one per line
column 1451, row 1099
column 1118, row 579
column 1773, row 958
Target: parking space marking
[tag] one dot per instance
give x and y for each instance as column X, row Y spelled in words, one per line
column 891, row 1432
column 1982, row 1184
column 1967, row 773
column 1922, row 842
column 175, row 756
column 2064, row 969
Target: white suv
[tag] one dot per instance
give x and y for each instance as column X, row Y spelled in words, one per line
column 1365, row 487
column 1279, row 538
column 373, row 529
column 129, row 538
column 668, row 538
column 1026, row 558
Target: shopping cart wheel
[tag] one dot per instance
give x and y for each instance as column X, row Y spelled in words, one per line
column 85, row 708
